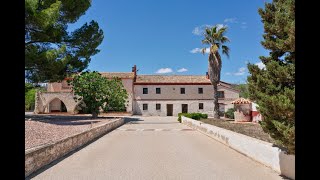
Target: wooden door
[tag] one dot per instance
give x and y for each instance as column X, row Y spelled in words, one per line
column 169, row 109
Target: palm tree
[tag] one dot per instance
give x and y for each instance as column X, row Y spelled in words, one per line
column 214, row 36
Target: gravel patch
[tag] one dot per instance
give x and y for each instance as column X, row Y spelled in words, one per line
column 43, row 129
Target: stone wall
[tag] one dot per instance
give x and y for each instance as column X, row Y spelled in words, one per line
column 256, row 149
column 37, row 157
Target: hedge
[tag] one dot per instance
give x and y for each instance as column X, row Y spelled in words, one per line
column 195, row 116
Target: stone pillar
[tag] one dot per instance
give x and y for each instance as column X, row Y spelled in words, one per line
column 37, row 103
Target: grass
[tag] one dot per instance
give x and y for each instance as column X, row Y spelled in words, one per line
column 250, row 129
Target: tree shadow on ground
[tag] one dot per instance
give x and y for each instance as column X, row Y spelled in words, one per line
column 131, row 120
column 67, row 120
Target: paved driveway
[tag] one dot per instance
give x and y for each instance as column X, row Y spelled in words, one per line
column 157, row 148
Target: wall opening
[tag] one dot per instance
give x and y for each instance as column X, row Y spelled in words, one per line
column 56, row 105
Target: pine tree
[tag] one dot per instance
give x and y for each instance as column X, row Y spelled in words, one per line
column 51, row 52
column 273, row 87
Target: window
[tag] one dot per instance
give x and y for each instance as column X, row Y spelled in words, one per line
column 200, row 105
column 145, row 106
column 158, row 106
column 158, row 91
column 220, row 94
column 200, row 90
column 145, row 90
column 182, row 90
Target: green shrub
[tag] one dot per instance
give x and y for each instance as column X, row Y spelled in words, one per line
column 221, row 113
column 204, row 116
column 179, row 116
column 229, row 113
column 195, row 116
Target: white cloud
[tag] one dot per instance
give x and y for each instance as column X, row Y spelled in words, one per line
column 200, row 29
column 230, row 20
column 198, row 50
column 220, row 26
column 164, row 70
column 260, row 65
column 241, row 71
column 197, row 31
column 182, row 70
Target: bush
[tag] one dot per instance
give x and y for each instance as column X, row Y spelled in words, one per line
column 195, row 116
column 230, row 113
column 179, row 116
column 30, row 100
column 221, row 113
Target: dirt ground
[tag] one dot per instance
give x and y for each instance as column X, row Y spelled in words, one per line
column 250, row 129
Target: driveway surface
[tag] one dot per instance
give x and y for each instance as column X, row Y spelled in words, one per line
column 149, row 148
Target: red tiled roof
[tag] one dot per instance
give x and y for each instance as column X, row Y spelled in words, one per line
column 171, row 79
column 121, row 75
column 241, row 101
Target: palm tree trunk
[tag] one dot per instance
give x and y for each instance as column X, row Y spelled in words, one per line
column 214, row 75
column 215, row 101
column 94, row 115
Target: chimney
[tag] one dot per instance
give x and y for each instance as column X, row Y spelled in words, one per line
column 134, row 70
column 207, row 75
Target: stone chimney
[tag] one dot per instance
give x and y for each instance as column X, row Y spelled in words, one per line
column 134, row 70
column 207, row 75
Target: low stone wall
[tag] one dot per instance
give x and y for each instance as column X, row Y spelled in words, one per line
column 256, row 149
column 37, row 157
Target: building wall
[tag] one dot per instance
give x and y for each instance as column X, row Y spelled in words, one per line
column 59, row 87
column 170, row 94
column 193, row 106
column 229, row 96
column 128, row 85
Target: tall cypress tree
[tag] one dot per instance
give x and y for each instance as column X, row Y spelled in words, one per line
column 273, row 88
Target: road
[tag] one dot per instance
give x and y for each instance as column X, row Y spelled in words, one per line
column 157, row 148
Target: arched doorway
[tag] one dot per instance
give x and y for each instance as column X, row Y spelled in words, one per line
column 56, row 105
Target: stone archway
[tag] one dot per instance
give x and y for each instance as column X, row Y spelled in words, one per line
column 43, row 99
column 56, row 105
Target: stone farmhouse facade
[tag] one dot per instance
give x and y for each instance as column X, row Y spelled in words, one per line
column 150, row 95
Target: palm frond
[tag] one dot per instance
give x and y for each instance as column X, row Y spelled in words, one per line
column 203, row 50
column 206, row 41
column 224, row 39
column 225, row 50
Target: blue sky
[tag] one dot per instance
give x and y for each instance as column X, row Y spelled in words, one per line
column 162, row 36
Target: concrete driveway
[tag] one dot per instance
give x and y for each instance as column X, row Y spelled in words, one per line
column 157, row 148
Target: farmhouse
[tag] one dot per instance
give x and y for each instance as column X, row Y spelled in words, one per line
column 150, row 95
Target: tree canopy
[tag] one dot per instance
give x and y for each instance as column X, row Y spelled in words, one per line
column 273, row 88
column 96, row 91
column 51, row 52
column 243, row 88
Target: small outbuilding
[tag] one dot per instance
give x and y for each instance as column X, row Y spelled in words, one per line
column 246, row 111
column 242, row 108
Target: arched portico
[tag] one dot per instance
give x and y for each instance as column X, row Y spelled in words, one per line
column 48, row 101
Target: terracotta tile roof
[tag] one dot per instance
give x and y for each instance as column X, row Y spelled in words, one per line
column 128, row 75
column 241, row 101
column 171, row 79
